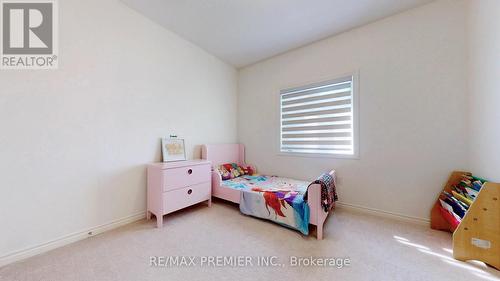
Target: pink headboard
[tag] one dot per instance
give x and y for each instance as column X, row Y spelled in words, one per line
column 223, row 153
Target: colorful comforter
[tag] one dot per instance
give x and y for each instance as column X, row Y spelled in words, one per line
column 273, row 198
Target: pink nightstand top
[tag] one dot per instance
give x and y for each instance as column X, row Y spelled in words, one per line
column 179, row 164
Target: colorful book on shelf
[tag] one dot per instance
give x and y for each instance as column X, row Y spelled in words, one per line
column 450, row 210
column 457, row 208
column 449, row 218
column 477, row 185
column 461, row 198
column 463, row 191
column 472, row 192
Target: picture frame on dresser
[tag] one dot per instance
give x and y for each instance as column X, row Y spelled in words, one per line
column 173, row 149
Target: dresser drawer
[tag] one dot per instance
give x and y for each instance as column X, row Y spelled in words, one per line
column 185, row 176
column 180, row 198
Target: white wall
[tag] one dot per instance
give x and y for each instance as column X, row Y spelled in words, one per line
column 484, row 88
column 412, row 70
column 74, row 142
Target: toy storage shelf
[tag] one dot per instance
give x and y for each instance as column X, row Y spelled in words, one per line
column 477, row 237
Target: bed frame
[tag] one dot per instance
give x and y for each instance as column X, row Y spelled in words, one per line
column 219, row 154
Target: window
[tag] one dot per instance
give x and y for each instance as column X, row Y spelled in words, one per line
column 319, row 119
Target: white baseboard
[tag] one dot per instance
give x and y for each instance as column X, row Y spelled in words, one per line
column 68, row 239
column 381, row 213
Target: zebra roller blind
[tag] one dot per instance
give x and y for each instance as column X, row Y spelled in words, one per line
column 318, row 119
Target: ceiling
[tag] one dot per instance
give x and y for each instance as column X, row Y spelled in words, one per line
column 242, row 32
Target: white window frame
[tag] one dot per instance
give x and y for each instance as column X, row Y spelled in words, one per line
column 355, row 117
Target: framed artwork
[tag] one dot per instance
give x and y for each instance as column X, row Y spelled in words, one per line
column 173, row 149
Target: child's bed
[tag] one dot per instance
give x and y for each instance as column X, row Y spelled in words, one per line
column 236, row 190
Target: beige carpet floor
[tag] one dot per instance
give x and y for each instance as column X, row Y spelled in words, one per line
column 378, row 249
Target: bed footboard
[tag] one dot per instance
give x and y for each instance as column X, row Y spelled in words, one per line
column 317, row 214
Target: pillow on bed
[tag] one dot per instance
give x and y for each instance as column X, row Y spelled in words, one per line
column 233, row 170
column 249, row 171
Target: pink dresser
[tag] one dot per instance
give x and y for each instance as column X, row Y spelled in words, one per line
column 176, row 185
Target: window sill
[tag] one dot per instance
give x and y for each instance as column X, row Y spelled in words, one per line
column 317, row 155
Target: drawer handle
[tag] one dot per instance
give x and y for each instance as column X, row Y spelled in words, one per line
column 190, row 171
column 190, row 191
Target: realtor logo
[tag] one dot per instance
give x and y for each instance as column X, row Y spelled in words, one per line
column 29, row 34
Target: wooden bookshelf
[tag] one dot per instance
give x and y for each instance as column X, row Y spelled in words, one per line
column 477, row 237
